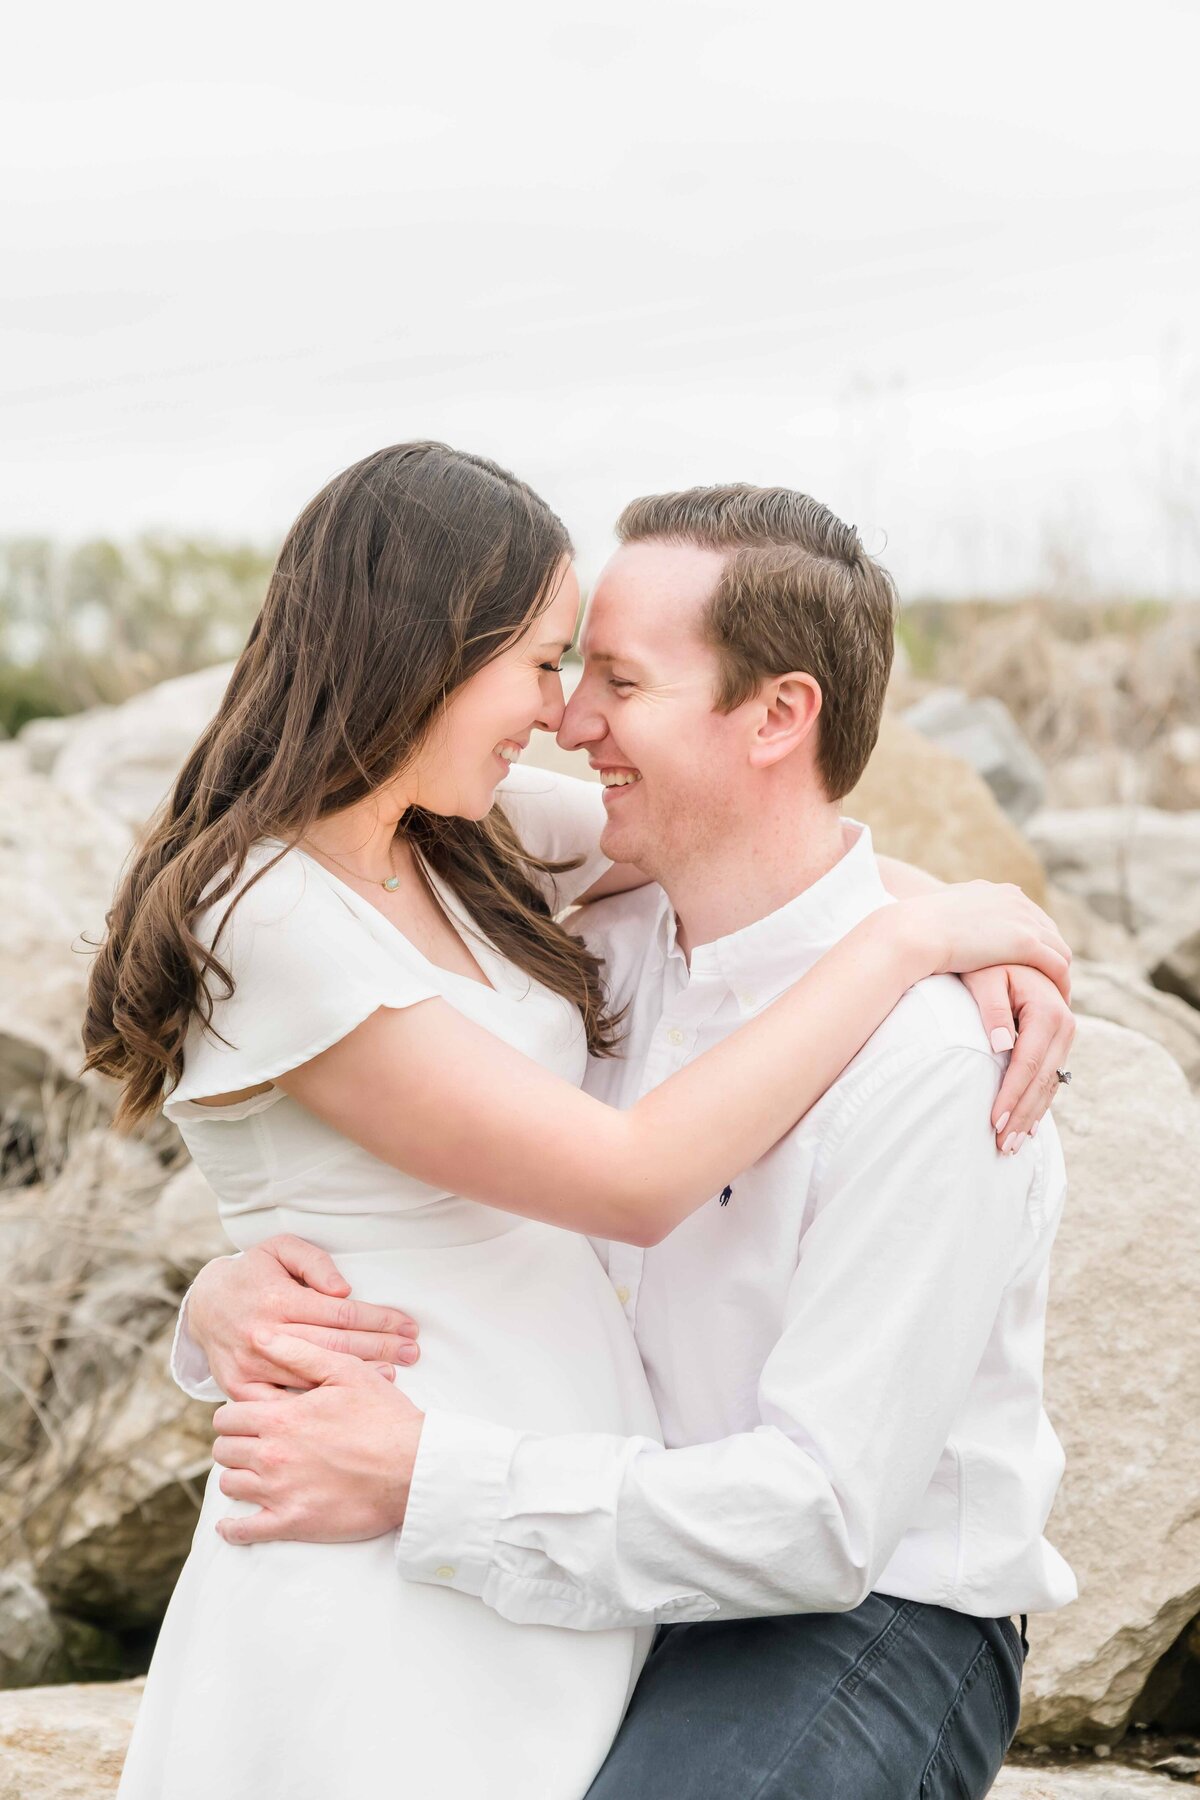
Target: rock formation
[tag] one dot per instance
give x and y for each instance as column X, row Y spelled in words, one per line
column 926, row 807
column 981, row 732
column 1122, row 1386
column 103, row 1461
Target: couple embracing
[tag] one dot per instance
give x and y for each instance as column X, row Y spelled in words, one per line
column 631, row 1369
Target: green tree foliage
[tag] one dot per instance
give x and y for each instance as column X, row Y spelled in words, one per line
column 99, row 621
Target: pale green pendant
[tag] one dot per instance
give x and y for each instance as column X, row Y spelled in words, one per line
column 392, row 883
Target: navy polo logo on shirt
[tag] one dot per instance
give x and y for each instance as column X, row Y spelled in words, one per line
column 726, row 1196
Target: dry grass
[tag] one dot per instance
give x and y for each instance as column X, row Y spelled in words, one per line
column 84, row 1298
column 1118, row 685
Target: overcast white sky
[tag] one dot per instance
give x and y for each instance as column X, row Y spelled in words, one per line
column 937, row 264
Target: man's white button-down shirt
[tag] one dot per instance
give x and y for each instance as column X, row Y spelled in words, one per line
column 844, row 1343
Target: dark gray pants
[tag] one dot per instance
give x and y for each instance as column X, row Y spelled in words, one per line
column 893, row 1701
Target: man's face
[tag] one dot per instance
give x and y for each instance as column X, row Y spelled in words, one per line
column 674, row 768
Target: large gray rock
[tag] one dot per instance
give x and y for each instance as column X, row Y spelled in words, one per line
column 982, row 732
column 64, row 1244
column 1112, row 775
column 1170, row 1701
column 1092, row 938
column 124, row 759
column 44, row 740
column 38, row 1645
column 59, row 862
column 119, row 1499
column 1081, row 1782
column 1117, row 993
column 105, row 1457
column 1175, row 768
column 66, row 1743
column 1134, row 865
column 1122, row 1386
column 1176, row 970
column 930, row 808
column 29, row 1639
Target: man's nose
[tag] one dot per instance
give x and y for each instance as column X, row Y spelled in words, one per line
column 581, row 723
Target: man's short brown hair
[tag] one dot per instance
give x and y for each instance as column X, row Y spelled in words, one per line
column 798, row 593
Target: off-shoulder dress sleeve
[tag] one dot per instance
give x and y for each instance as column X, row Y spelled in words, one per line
column 558, row 817
column 306, row 970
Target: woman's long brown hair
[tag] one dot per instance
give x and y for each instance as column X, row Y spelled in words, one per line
column 406, row 575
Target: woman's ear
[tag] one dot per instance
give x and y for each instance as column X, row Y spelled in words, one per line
column 789, row 707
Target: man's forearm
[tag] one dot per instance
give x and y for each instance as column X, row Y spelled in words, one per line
column 593, row 1532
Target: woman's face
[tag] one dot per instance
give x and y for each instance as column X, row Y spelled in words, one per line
column 489, row 720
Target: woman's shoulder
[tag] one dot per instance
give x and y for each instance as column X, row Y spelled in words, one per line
column 304, row 970
column 274, row 885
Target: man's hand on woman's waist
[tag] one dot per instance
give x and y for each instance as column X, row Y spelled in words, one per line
column 326, row 1466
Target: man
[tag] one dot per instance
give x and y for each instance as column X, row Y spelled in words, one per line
column 845, row 1343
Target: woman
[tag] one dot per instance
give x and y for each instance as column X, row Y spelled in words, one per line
column 336, row 961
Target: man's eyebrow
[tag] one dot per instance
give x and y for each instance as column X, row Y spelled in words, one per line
column 609, row 657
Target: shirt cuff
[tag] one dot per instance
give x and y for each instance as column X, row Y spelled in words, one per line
column 189, row 1364
column 454, row 1501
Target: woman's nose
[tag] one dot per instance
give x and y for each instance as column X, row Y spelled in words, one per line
column 580, row 724
column 553, row 707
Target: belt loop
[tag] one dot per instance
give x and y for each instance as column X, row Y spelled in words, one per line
column 1025, row 1633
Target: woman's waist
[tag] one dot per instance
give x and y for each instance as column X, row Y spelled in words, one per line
column 448, row 1223
column 524, row 1330
column 521, row 1327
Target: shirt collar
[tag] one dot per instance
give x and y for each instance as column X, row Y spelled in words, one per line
column 759, row 961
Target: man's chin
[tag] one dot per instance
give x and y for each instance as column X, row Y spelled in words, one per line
column 621, row 845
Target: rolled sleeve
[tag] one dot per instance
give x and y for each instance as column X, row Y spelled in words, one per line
column 455, row 1502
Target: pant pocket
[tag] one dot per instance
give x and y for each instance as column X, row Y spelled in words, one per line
column 974, row 1738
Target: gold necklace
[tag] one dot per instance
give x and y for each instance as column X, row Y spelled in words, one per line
column 391, row 882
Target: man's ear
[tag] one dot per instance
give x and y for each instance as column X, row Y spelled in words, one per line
column 788, row 710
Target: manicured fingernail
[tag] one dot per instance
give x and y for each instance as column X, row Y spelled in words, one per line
column 1006, row 1148
column 1002, row 1121
column 410, row 1356
column 1002, row 1039
column 1033, row 1128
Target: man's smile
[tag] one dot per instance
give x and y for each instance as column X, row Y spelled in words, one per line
column 614, row 776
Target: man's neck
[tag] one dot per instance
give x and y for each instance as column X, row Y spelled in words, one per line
column 754, row 870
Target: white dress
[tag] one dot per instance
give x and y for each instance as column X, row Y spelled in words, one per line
column 292, row 1671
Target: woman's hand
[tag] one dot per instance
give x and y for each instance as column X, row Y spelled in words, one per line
column 1021, row 1004
column 972, row 925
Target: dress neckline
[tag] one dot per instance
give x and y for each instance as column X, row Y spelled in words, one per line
column 459, row 919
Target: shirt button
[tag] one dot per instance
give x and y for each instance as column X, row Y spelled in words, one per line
column 445, row 1573
column 623, row 1295
column 675, row 1036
